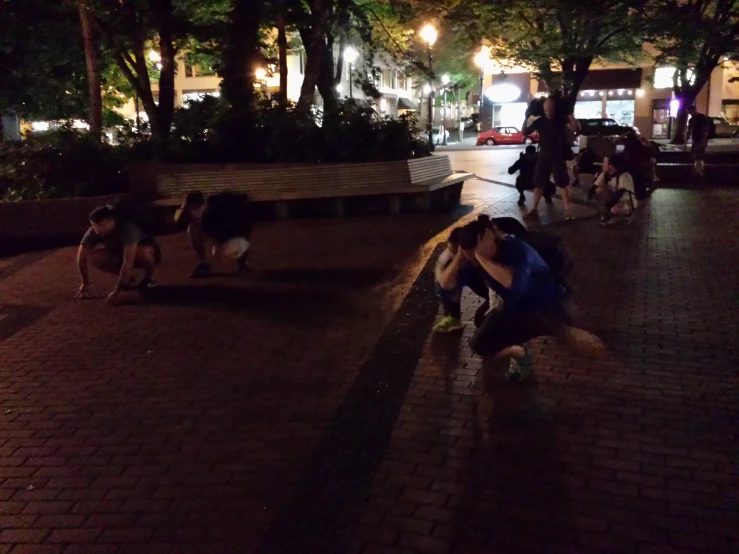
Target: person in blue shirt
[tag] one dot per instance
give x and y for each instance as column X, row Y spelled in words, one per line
column 534, row 300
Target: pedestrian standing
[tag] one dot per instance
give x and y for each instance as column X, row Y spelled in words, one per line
column 550, row 121
column 699, row 130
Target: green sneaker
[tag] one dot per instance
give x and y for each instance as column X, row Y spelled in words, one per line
column 448, row 325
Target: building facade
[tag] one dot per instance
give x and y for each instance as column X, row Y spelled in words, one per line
column 639, row 96
column 396, row 88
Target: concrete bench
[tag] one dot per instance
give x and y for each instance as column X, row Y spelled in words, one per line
column 425, row 179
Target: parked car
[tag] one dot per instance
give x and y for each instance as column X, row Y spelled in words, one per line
column 506, row 135
column 724, row 129
column 604, row 127
column 437, row 137
column 468, row 123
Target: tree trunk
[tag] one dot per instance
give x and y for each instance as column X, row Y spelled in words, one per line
column 314, row 41
column 164, row 13
column 241, row 54
column 282, row 48
column 340, row 60
column 95, row 119
column 686, row 96
column 326, row 80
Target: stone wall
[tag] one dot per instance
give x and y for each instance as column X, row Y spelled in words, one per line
column 45, row 223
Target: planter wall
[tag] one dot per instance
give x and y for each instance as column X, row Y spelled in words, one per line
column 45, row 223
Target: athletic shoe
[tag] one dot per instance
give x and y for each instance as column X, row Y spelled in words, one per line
column 522, row 200
column 520, row 368
column 242, row 262
column 202, row 270
column 448, row 325
column 145, row 284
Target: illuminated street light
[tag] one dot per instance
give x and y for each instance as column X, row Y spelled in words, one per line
column 339, row 88
column 429, row 34
column 427, row 89
column 445, row 79
column 155, row 56
column 351, row 55
column 260, row 74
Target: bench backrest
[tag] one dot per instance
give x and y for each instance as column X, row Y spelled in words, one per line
column 329, row 180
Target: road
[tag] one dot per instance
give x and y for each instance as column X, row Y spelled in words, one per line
column 489, row 163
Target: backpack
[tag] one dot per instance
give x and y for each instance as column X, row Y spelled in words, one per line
column 143, row 216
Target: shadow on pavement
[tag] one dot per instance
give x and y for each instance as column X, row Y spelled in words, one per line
column 514, row 499
column 341, row 278
column 289, row 303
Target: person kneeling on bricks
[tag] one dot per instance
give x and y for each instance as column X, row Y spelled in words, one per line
column 534, row 301
column 222, row 220
column 114, row 244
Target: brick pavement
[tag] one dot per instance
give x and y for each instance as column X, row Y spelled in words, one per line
column 306, row 409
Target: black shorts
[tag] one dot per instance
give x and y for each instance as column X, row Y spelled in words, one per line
column 550, row 167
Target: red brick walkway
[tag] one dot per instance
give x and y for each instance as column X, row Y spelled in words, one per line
column 305, row 408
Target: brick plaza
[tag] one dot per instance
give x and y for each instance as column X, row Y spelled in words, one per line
column 306, row 408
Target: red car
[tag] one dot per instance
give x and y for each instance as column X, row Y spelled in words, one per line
column 506, row 135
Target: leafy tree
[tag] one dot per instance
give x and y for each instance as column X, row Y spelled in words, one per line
column 43, row 72
column 558, row 39
column 693, row 36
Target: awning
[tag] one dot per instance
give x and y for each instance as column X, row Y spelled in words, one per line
column 405, row 104
column 606, row 79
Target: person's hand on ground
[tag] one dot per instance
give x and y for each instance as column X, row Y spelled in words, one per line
column 112, row 298
column 84, row 291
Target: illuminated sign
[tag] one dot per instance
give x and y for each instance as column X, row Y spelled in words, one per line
column 503, row 93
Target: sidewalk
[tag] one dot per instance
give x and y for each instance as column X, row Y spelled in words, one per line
column 305, row 408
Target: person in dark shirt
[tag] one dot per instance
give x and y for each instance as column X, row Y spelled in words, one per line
column 114, row 245
column 525, row 165
column 553, row 149
column 534, row 300
column 223, row 221
column 699, row 130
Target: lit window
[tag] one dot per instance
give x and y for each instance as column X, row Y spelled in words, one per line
column 663, row 77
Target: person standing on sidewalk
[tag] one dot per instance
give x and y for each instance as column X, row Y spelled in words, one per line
column 699, row 130
column 550, row 121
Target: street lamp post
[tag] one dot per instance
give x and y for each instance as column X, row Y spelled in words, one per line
column 482, row 59
column 350, row 55
column 429, row 36
column 445, row 81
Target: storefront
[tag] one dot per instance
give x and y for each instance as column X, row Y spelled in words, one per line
column 505, row 101
column 608, row 93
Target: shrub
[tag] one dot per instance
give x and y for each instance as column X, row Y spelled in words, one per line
column 60, row 163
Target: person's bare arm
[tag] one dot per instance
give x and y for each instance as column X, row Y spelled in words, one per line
column 129, row 257
column 82, row 269
column 447, row 277
column 501, row 273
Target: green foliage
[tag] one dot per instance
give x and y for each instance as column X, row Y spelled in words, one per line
column 42, row 60
column 558, row 39
column 60, row 163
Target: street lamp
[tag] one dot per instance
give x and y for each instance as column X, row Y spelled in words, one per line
column 445, row 79
column 482, row 59
column 350, row 55
column 261, row 75
column 429, row 35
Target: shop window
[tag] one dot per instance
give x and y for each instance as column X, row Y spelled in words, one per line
column 621, row 110
column 589, row 109
column 663, row 77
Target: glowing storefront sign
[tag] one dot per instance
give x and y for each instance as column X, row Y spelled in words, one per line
column 503, row 93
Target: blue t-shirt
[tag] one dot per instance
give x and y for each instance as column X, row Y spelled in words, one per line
column 534, row 288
